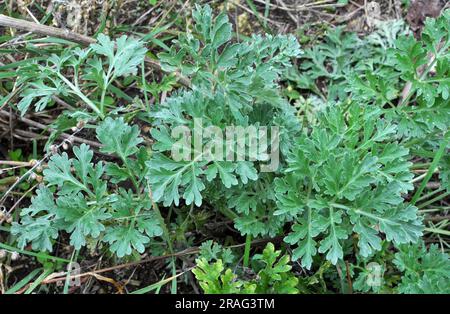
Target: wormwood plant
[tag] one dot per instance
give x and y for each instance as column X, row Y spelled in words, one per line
column 342, row 55
column 412, row 269
column 230, row 82
column 274, row 275
column 343, row 178
column 76, row 197
column 339, row 194
column 424, row 271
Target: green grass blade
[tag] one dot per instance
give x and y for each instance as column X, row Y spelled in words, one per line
column 437, row 157
column 39, row 255
column 157, row 285
column 23, row 282
column 39, row 280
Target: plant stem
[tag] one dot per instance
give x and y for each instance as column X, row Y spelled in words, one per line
column 420, row 165
column 437, row 157
column 147, row 102
column 132, row 176
column 228, row 213
column 166, row 236
column 81, row 95
column 438, row 231
column 248, row 243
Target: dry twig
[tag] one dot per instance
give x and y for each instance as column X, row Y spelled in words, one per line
column 71, row 36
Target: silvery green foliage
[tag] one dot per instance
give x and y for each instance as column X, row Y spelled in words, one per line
column 424, row 271
column 232, row 84
column 350, row 170
column 347, row 177
column 341, row 185
column 77, row 200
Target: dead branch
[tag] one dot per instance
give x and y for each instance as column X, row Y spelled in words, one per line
column 45, row 127
column 45, row 30
column 40, row 29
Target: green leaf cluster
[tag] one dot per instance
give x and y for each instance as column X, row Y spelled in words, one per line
column 274, row 276
column 347, row 177
column 232, row 84
column 76, row 198
column 97, row 66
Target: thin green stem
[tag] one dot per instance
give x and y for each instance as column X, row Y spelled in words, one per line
column 166, row 237
column 102, row 101
column 421, row 165
column 433, row 200
column 437, row 157
column 438, row 231
column 248, row 243
column 147, row 103
column 81, row 95
column 430, row 194
column 132, row 176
